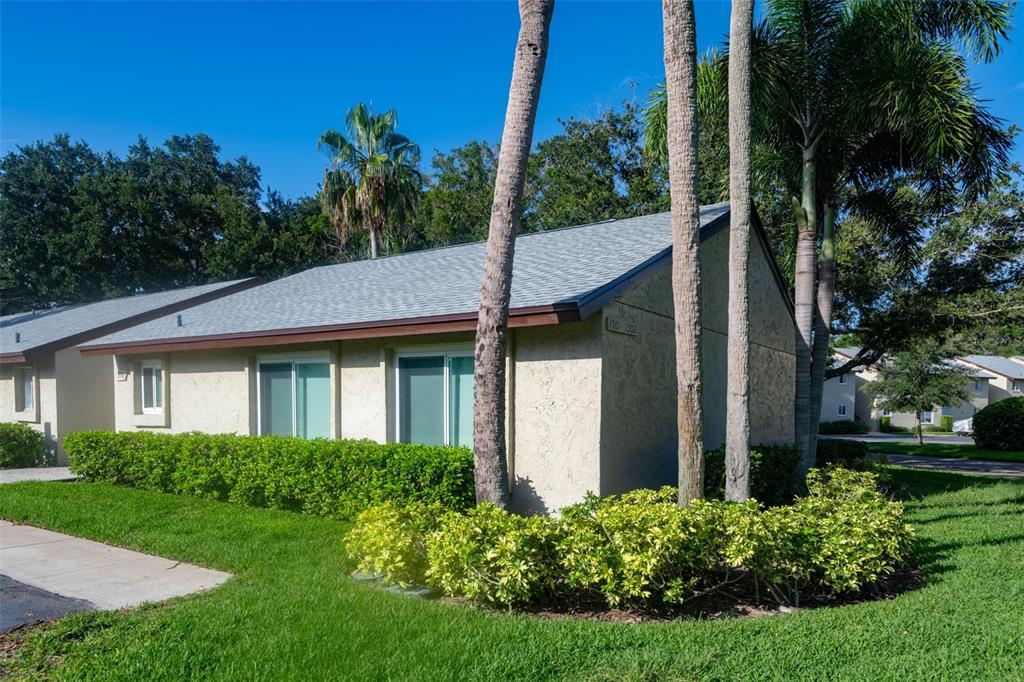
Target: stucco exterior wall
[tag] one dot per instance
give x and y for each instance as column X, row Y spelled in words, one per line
column 638, row 404
column 363, row 390
column 84, row 393
column 43, row 416
column 557, row 402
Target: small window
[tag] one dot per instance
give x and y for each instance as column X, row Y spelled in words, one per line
column 152, row 388
column 842, row 410
column 886, row 412
column 1017, row 383
column 25, row 398
column 842, row 378
column 927, row 417
column 977, row 385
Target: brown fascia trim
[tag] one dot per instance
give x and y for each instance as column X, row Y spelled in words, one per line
column 147, row 316
column 518, row 317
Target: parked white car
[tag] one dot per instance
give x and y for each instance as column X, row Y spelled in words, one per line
column 964, row 427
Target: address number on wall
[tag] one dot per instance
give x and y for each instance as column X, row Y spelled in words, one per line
column 620, row 326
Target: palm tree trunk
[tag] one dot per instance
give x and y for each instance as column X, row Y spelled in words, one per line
column 823, row 318
column 681, row 89
column 373, row 241
column 807, row 226
column 737, row 406
column 491, row 468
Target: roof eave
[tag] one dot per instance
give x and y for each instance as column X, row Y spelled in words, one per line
column 459, row 322
column 133, row 320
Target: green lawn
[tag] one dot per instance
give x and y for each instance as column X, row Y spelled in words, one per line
column 291, row 612
column 958, row 450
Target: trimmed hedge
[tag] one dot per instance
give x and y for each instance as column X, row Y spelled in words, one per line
column 1000, row 426
column 773, row 478
column 324, row 477
column 20, row 446
column 846, row 427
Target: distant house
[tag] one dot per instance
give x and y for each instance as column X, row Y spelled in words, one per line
column 46, row 383
column 839, row 392
column 1007, row 374
column 383, row 349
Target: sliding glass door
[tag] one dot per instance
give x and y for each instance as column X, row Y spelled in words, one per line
column 435, row 398
column 295, row 397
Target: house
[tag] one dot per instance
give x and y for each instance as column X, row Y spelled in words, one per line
column 852, row 387
column 383, row 349
column 1007, row 374
column 46, row 383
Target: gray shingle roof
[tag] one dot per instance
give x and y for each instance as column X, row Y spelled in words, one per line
column 999, row 365
column 557, row 266
column 46, row 327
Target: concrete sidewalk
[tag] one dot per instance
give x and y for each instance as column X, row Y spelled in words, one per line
column 108, row 577
column 37, row 474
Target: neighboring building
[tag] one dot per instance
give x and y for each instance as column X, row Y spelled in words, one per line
column 1007, row 375
column 837, row 395
column 383, row 349
column 46, row 383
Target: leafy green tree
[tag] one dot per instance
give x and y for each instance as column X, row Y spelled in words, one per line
column 918, row 379
column 40, row 198
column 373, row 181
column 456, row 206
column 77, row 226
column 593, row 170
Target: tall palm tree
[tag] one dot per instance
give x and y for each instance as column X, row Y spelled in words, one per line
column 737, row 405
column 491, row 467
column 373, row 177
column 681, row 129
column 850, row 95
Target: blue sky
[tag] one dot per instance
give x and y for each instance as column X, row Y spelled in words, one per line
column 265, row 79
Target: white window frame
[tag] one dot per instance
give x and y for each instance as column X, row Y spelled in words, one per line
column 306, row 358
column 886, row 412
column 154, row 365
column 1015, row 386
column 21, row 406
column 841, row 410
column 930, row 418
column 448, row 352
column 842, row 379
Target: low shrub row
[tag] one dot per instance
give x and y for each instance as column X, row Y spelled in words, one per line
column 1000, row 426
column 640, row 547
column 325, row 477
column 20, row 446
column 846, row 427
